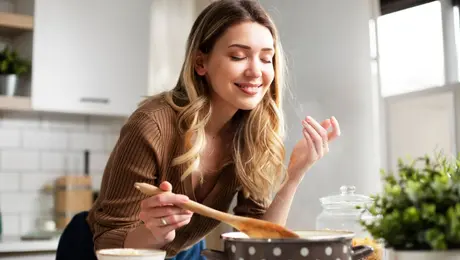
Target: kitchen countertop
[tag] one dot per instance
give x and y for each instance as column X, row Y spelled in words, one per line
column 14, row 244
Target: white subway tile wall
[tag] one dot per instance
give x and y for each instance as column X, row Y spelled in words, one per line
column 35, row 149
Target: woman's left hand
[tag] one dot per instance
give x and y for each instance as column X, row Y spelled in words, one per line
column 312, row 147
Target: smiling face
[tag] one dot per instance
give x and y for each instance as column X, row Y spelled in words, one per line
column 239, row 68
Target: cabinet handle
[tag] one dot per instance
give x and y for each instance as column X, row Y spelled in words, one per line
column 94, row 100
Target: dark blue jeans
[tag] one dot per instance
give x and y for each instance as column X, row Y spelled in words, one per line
column 76, row 243
column 192, row 253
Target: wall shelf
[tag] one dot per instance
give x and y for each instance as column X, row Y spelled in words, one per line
column 12, row 24
column 15, row 103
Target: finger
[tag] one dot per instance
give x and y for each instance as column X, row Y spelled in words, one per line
column 335, row 129
column 164, row 199
column 166, row 229
column 318, row 128
column 171, row 220
column 325, row 147
column 326, row 124
column 310, row 142
column 166, row 186
column 315, row 137
column 165, row 211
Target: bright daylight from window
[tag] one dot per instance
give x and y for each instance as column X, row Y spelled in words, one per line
column 411, row 49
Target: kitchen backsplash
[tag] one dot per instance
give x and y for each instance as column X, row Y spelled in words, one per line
column 37, row 148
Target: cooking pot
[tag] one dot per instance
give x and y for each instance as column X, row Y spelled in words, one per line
column 312, row 245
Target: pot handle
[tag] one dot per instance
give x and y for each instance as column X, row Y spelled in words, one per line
column 214, row 254
column 359, row 252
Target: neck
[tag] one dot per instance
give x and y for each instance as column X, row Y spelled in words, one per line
column 220, row 120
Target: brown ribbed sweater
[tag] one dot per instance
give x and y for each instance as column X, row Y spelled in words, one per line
column 148, row 142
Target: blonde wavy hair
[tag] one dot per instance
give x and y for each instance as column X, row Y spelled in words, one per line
column 258, row 149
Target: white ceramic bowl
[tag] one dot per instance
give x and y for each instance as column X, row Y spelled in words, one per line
column 130, row 254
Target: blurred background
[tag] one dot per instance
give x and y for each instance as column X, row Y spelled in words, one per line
column 72, row 71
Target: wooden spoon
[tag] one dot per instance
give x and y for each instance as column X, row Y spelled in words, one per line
column 254, row 228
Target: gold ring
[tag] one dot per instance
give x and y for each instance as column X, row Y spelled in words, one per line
column 163, row 221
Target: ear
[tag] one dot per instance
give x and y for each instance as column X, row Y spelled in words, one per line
column 200, row 64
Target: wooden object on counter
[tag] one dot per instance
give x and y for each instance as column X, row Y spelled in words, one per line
column 73, row 194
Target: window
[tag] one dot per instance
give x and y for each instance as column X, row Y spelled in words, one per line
column 411, row 52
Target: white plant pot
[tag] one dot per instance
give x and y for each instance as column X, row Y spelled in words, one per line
column 424, row 255
column 8, row 85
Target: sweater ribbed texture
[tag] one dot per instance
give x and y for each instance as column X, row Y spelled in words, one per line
column 148, row 142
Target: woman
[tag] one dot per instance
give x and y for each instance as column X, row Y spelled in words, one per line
column 217, row 134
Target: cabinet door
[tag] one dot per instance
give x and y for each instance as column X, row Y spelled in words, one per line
column 90, row 56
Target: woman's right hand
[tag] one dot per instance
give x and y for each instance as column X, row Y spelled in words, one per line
column 160, row 215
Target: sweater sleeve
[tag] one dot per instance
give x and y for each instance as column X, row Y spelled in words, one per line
column 249, row 207
column 134, row 159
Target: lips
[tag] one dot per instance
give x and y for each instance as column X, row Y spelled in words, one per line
column 248, row 85
column 249, row 88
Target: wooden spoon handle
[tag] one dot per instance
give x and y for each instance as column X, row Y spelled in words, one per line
column 191, row 205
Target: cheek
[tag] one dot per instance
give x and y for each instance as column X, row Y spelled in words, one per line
column 268, row 75
column 233, row 70
column 214, row 74
column 221, row 73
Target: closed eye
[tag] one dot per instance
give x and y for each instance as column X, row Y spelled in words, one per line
column 235, row 58
column 266, row 61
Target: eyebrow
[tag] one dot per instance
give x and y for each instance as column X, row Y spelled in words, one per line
column 242, row 46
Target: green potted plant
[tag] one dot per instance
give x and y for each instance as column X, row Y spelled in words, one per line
column 12, row 66
column 417, row 214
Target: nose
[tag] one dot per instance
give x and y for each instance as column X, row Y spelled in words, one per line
column 254, row 69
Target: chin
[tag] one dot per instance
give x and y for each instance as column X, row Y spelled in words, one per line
column 247, row 105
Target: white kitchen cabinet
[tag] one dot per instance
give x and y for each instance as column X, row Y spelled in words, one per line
column 90, row 57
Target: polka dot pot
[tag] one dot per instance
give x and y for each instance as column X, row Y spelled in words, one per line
column 313, row 245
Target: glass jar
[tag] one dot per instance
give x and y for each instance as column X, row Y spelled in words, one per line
column 341, row 212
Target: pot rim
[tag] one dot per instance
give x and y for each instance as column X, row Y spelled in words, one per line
column 327, row 236
column 142, row 252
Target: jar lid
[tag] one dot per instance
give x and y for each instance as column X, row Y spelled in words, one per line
column 346, row 199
